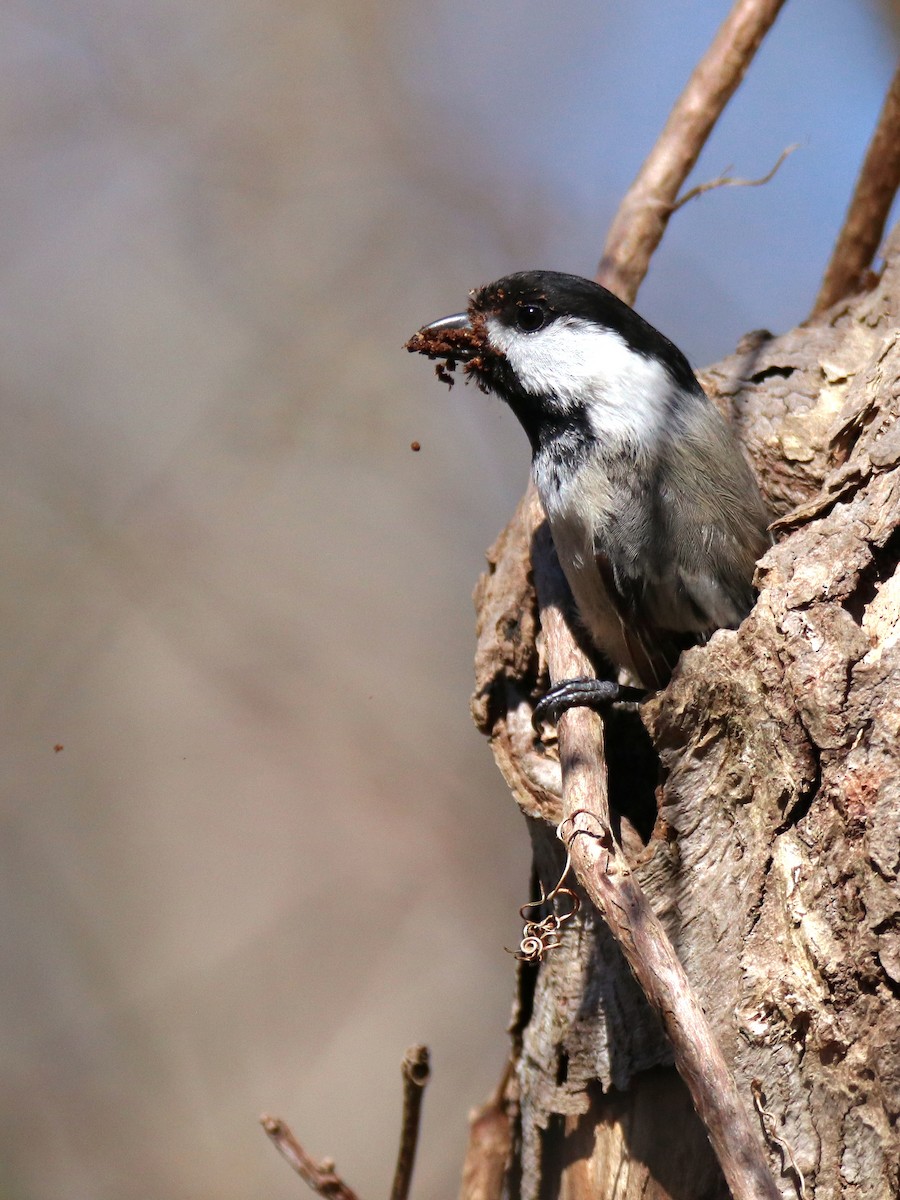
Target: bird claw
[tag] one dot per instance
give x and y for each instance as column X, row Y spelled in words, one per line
column 597, row 694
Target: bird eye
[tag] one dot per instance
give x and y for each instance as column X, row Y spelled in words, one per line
column 529, row 317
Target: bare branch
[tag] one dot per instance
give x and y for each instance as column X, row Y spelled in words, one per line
column 321, row 1176
column 642, row 216
column 727, row 181
column 864, row 224
column 416, row 1071
column 605, row 875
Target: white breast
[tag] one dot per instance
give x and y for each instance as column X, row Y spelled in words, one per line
column 576, row 509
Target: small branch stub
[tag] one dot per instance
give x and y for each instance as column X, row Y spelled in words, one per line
column 416, row 1071
column 490, row 1146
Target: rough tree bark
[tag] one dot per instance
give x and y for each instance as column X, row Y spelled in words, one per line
column 774, row 858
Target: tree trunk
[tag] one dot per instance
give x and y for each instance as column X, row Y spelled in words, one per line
column 771, row 847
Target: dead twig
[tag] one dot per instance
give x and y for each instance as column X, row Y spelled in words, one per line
column 321, row 1176
column 873, row 196
column 416, row 1071
column 642, row 216
column 727, row 181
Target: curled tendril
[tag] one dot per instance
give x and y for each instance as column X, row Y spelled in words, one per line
column 540, row 936
column 603, row 834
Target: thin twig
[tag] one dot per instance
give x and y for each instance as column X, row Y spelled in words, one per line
column 642, row 216
column 873, row 196
column 727, row 181
column 416, row 1071
column 321, row 1176
column 606, row 877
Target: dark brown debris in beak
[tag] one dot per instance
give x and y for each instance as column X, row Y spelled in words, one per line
column 449, row 341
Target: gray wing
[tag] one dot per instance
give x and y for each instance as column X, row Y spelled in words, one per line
column 653, row 649
column 717, row 522
column 679, row 555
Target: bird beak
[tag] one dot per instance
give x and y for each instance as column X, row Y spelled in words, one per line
column 457, row 321
column 450, row 337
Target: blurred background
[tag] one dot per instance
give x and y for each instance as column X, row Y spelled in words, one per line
column 252, row 845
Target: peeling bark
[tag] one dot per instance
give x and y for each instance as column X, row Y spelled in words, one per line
column 774, row 858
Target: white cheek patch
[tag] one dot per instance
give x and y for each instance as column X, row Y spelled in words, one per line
column 580, row 364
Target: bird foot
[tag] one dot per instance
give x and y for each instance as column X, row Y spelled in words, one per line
column 597, row 694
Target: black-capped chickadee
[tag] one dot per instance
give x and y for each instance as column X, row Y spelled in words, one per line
column 656, row 517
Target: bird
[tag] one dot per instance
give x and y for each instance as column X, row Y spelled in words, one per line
column 654, row 512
